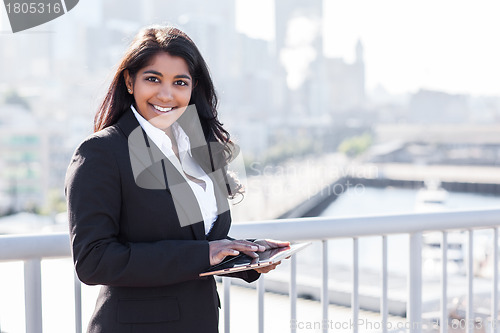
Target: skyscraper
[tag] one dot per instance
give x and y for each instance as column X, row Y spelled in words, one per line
column 299, row 44
column 346, row 83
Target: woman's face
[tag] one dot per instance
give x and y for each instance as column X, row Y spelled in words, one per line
column 162, row 89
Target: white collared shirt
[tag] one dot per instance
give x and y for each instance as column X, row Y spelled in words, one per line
column 185, row 164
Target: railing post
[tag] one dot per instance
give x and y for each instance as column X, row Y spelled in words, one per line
column 261, row 290
column 414, row 305
column 494, row 294
column 355, row 284
column 324, row 287
column 385, row 279
column 444, row 283
column 469, row 313
column 33, row 295
column 78, row 305
column 293, row 294
column 226, row 282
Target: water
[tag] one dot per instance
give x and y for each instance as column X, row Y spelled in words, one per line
column 376, row 201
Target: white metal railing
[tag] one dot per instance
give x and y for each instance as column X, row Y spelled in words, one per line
column 324, row 228
column 33, row 248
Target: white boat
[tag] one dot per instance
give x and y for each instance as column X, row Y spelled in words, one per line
column 432, row 253
column 431, row 198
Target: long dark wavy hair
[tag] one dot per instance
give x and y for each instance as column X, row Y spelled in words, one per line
column 147, row 43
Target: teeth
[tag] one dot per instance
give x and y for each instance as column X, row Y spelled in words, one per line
column 159, row 108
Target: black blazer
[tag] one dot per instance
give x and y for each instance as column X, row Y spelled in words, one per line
column 127, row 236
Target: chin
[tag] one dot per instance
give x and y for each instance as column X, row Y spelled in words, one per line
column 164, row 121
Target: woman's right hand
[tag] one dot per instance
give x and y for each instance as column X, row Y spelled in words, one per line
column 219, row 249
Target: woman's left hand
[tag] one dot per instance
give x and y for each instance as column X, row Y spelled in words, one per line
column 267, row 269
column 270, row 244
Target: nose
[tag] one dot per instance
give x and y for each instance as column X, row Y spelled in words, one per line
column 165, row 93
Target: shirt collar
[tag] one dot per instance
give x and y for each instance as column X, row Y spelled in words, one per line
column 182, row 138
column 158, row 136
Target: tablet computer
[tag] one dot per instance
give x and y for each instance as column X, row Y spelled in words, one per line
column 242, row 262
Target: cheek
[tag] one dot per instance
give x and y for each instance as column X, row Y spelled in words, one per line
column 187, row 96
column 140, row 94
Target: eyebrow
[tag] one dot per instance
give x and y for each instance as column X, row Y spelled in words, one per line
column 179, row 76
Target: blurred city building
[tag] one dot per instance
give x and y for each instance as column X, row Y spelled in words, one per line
column 427, row 106
column 446, row 144
column 33, row 160
column 346, row 83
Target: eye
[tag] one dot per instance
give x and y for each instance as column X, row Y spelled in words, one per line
column 152, row 79
column 181, row 83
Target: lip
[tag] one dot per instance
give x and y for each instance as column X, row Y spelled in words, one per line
column 158, row 109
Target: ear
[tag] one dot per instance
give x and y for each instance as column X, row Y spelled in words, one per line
column 128, row 80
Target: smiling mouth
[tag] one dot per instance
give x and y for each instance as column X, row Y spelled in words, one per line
column 159, row 108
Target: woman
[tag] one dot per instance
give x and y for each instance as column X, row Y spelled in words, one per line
column 147, row 193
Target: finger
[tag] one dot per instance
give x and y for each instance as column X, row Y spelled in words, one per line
column 262, row 270
column 269, row 268
column 260, row 248
column 249, row 247
column 273, row 244
column 273, row 266
column 220, row 255
column 251, row 254
column 278, row 243
column 266, row 269
column 254, row 261
column 226, row 252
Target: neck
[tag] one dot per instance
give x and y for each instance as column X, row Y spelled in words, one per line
column 168, row 131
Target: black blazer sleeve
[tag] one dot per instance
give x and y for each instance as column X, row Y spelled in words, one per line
column 93, row 190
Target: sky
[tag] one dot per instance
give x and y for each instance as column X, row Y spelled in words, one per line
column 447, row 45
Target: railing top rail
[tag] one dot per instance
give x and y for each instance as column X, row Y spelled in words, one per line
column 24, row 247
column 31, row 246
column 341, row 227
